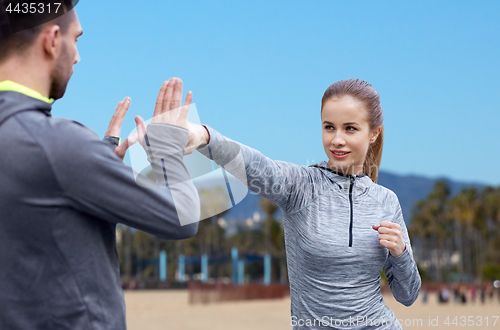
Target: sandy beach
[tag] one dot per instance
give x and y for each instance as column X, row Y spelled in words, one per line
column 159, row 310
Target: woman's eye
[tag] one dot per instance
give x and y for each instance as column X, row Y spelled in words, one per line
column 328, row 127
column 353, row 128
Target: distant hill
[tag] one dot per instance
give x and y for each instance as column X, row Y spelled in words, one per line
column 408, row 188
column 412, row 188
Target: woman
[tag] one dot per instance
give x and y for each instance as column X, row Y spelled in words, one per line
column 341, row 228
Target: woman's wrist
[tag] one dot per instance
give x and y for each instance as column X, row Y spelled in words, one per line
column 205, row 134
column 397, row 255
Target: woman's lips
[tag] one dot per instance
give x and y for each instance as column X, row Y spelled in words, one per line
column 339, row 156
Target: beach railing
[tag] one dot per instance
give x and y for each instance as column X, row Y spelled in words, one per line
column 209, row 293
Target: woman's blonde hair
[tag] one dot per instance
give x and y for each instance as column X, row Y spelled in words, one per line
column 364, row 92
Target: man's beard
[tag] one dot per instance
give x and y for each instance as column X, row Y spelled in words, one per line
column 61, row 74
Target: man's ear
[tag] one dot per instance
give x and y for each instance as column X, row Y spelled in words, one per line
column 52, row 40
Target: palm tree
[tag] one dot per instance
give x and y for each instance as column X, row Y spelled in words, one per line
column 274, row 235
column 432, row 225
column 490, row 229
column 269, row 209
column 468, row 213
column 214, row 204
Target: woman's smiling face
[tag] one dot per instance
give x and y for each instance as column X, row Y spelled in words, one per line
column 345, row 129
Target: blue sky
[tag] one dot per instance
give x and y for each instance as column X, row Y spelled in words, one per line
column 258, row 71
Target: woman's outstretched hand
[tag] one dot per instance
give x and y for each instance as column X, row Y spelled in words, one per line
column 391, row 237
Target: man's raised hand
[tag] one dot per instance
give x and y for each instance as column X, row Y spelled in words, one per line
column 167, row 111
column 168, row 103
column 115, row 125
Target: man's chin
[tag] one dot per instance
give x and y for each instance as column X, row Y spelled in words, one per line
column 57, row 96
column 58, row 93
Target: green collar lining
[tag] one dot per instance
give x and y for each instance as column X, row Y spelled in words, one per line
column 8, row 85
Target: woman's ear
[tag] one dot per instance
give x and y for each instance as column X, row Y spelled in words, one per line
column 375, row 135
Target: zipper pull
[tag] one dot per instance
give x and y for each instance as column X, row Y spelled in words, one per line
column 352, row 179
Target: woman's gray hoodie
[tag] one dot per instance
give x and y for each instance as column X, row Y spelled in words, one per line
column 334, row 256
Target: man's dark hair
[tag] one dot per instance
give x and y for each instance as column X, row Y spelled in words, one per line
column 18, row 30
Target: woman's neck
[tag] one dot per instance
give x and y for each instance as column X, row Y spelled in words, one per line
column 348, row 172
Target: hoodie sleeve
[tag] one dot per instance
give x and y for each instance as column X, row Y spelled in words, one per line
column 401, row 271
column 113, row 141
column 96, row 182
column 288, row 185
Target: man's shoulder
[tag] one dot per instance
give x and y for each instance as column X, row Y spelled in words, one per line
column 70, row 128
column 51, row 130
column 63, row 140
column 42, row 122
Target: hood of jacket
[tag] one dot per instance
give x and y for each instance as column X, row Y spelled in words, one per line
column 13, row 102
column 361, row 181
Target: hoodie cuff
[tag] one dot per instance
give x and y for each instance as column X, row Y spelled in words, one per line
column 204, row 146
column 112, row 140
column 402, row 261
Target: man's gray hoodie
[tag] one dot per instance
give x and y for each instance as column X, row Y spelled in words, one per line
column 62, row 192
column 334, row 255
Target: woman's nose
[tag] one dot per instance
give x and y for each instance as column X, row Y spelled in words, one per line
column 338, row 140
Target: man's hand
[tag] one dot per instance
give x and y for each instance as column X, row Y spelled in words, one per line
column 391, row 237
column 166, row 111
column 168, row 103
column 115, row 125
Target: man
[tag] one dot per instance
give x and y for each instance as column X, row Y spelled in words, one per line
column 63, row 190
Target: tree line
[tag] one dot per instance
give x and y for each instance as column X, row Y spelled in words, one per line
column 457, row 238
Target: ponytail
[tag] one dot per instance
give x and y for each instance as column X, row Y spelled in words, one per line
column 374, row 157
